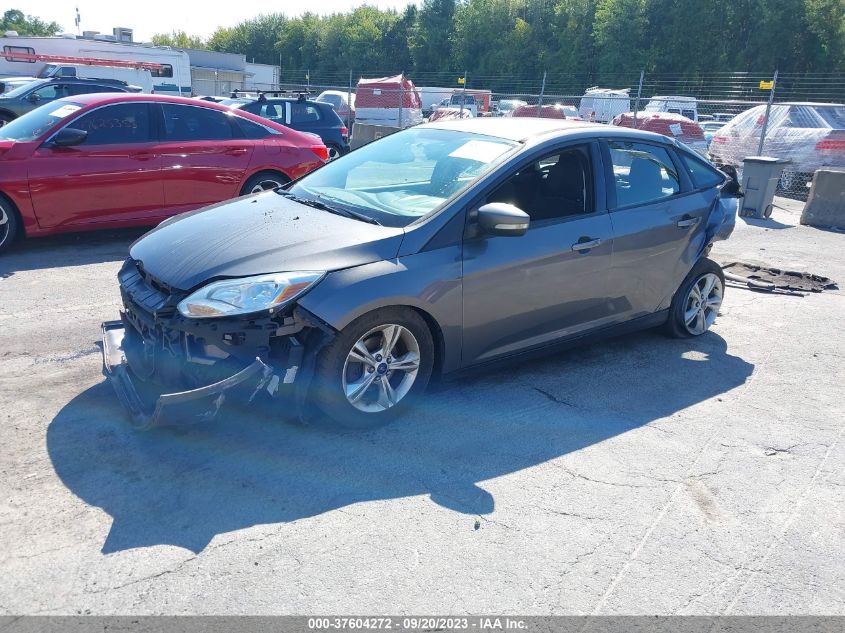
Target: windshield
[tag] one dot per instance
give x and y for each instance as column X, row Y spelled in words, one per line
column 35, row 123
column 406, row 175
column 22, row 89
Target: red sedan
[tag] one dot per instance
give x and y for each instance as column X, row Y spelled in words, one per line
column 114, row 159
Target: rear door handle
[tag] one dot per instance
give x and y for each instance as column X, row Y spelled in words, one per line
column 687, row 222
column 585, row 246
column 143, row 156
column 236, row 151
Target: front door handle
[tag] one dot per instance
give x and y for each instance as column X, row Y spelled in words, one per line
column 236, row 151
column 687, row 222
column 585, row 246
column 143, row 155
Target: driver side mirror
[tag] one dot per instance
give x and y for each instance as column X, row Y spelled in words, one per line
column 500, row 218
column 34, row 97
column 69, row 136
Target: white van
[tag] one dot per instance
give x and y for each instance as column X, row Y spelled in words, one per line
column 685, row 106
column 603, row 104
column 139, row 77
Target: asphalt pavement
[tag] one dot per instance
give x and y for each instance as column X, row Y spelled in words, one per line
column 643, row 475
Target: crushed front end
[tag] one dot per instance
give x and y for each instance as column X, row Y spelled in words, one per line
column 170, row 369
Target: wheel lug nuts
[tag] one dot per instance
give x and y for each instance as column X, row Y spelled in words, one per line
column 378, row 357
column 370, row 369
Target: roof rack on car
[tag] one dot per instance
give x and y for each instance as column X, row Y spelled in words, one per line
column 302, row 95
column 115, row 82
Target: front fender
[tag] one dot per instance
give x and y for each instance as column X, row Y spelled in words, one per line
column 428, row 281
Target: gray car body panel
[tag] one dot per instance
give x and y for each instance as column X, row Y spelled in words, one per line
column 487, row 297
column 257, row 234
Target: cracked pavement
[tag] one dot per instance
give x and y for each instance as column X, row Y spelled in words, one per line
column 642, row 475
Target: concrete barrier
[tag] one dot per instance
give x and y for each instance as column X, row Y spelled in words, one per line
column 363, row 133
column 826, row 203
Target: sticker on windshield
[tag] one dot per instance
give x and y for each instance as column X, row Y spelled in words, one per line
column 65, row 110
column 482, row 151
column 675, row 128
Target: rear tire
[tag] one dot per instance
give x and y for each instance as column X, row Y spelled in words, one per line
column 334, row 150
column 363, row 382
column 264, row 181
column 9, row 224
column 696, row 303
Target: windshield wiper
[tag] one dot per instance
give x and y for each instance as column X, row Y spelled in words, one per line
column 337, row 210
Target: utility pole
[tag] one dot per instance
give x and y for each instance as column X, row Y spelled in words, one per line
column 637, row 102
column 542, row 93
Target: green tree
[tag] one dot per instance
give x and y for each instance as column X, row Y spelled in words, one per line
column 15, row 20
column 178, row 39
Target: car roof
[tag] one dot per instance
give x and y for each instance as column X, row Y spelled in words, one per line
column 97, row 98
column 814, row 104
column 524, row 129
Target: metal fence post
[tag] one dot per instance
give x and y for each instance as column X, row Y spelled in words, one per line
column 639, row 94
column 766, row 117
column 401, row 97
column 542, row 92
column 463, row 95
column 349, row 105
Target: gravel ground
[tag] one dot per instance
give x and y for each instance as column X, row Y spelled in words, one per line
column 639, row 476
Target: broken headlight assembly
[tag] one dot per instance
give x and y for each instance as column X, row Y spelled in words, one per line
column 247, row 295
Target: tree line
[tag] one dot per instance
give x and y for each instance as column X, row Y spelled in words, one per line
column 525, row 37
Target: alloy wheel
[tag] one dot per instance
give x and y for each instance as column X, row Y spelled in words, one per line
column 381, row 368
column 265, row 185
column 4, row 225
column 787, row 180
column 702, row 303
column 334, row 153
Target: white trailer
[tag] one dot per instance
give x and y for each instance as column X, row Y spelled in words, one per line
column 431, row 96
column 26, row 56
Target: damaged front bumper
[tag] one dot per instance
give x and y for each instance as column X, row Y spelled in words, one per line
column 148, row 409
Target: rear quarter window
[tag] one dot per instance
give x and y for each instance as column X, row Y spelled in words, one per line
column 703, row 176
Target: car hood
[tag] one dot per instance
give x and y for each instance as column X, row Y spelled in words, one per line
column 259, row 234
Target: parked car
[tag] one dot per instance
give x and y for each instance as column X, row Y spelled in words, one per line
column 551, row 111
column 8, row 84
column 304, row 115
column 442, row 247
column 668, row 124
column 710, row 128
column 339, row 100
column 602, row 104
column 29, row 96
column 685, row 106
column 108, row 160
column 505, row 107
column 809, row 135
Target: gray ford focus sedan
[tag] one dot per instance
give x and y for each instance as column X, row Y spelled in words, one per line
column 439, row 248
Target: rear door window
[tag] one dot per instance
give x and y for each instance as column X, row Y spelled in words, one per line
column 642, row 173
column 195, row 123
column 118, row 124
column 303, row 113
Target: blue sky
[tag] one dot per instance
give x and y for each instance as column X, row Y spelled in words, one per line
column 162, row 16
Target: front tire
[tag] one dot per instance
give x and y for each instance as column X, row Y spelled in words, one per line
column 374, row 369
column 696, row 303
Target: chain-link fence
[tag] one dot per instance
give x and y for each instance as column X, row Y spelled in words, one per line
column 724, row 116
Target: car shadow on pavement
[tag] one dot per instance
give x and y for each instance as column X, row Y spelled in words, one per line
column 183, row 486
column 70, row 249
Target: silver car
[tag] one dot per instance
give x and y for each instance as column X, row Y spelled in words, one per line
column 440, row 248
column 809, row 135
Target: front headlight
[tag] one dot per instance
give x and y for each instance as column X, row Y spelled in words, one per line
column 246, row 295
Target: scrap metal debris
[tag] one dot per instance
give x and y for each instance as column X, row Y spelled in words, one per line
column 758, row 277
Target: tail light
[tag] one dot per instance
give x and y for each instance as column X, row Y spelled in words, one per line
column 593, row 116
column 719, row 140
column 344, row 132
column 321, row 152
column 831, row 144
